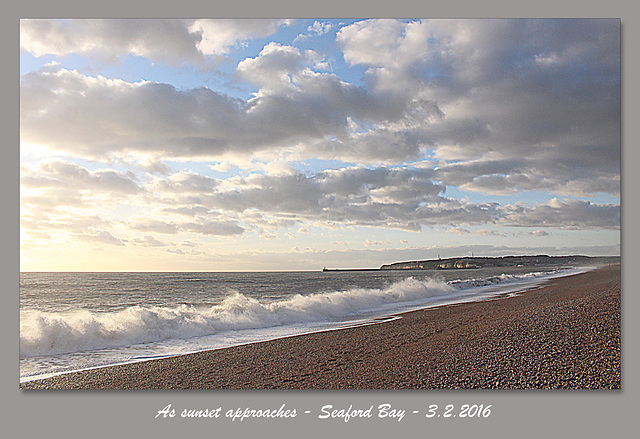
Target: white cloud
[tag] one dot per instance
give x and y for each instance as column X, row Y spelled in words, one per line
column 320, row 28
column 98, row 117
column 102, row 237
column 495, row 107
column 539, row 233
column 148, row 241
column 488, row 233
column 65, row 196
column 152, row 225
column 220, row 36
column 155, row 39
column 62, row 221
column 458, row 230
column 101, row 118
column 270, row 70
column 376, row 243
column 468, row 94
column 372, row 42
column 170, row 40
column 62, row 174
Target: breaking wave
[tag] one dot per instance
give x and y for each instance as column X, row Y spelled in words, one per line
column 47, row 333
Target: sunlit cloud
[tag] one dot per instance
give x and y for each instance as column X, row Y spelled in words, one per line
column 370, row 135
column 170, row 40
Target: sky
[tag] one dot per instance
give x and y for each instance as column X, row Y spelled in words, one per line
column 255, row 145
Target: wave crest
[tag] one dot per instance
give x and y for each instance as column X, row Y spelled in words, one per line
column 46, row 333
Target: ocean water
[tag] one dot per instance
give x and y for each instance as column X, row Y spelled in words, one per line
column 74, row 321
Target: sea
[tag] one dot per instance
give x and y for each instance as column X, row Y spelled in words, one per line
column 77, row 321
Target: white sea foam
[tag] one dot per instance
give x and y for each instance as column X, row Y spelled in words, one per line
column 45, row 333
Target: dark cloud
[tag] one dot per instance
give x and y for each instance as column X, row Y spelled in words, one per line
column 98, row 117
column 220, row 228
column 491, row 106
column 403, row 198
column 545, row 93
column 538, row 100
column 564, row 214
column 186, row 182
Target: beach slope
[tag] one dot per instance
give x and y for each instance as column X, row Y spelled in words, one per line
column 563, row 335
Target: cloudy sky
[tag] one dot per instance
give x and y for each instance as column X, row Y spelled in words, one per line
column 216, row 145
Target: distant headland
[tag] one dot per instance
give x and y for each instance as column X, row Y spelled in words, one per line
column 470, row 262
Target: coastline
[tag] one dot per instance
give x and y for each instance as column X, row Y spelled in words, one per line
column 563, row 334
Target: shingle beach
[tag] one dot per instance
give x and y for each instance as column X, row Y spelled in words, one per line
column 562, row 335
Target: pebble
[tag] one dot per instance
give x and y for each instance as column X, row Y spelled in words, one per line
column 564, row 335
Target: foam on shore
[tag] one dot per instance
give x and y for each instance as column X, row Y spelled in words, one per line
column 565, row 334
column 46, row 333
